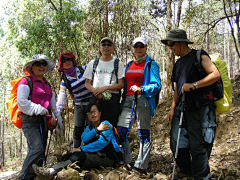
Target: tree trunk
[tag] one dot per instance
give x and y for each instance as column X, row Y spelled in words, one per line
column 170, row 57
column 179, row 13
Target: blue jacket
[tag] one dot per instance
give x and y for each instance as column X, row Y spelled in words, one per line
column 100, row 143
column 151, row 86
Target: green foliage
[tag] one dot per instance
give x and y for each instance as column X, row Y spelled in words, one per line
column 38, row 28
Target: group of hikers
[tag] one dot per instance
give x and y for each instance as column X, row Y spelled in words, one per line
column 96, row 89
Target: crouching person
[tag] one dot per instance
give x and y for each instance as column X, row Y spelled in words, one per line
column 100, row 149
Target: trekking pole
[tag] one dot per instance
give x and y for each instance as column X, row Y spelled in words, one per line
column 43, row 143
column 179, row 132
column 49, row 144
column 133, row 107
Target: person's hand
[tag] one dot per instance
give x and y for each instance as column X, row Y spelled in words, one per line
column 43, row 111
column 99, row 90
column 188, row 87
column 135, row 88
column 103, row 126
column 170, row 116
column 75, row 150
column 100, row 96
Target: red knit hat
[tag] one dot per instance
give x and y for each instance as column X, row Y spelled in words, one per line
column 66, row 55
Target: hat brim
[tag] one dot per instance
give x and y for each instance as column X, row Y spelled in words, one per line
column 164, row 41
column 106, row 39
column 27, row 69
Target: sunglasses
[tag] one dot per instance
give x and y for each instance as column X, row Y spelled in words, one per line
column 105, row 44
column 38, row 63
column 67, row 59
column 171, row 44
column 139, row 46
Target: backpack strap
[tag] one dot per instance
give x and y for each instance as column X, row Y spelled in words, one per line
column 149, row 67
column 67, row 82
column 95, row 64
column 30, row 84
column 81, row 69
column 198, row 64
column 116, row 62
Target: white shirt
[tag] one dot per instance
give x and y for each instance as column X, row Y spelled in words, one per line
column 104, row 72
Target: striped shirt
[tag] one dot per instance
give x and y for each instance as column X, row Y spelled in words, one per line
column 79, row 90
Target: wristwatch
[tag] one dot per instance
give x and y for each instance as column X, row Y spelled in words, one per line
column 195, row 85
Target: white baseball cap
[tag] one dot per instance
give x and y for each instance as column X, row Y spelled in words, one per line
column 139, row 39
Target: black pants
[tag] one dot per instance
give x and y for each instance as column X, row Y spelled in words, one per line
column 91, row 160
column 194, row 151
column 110, row 108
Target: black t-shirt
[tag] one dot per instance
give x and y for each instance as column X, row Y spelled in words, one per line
column 184, row 71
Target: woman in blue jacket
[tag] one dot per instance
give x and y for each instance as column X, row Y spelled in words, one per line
column 141, row 78
column 100, row 147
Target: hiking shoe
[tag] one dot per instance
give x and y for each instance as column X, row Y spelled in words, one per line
column 42, row 172
column 180, row 175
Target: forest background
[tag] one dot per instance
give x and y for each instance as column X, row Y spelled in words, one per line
column 51, row 27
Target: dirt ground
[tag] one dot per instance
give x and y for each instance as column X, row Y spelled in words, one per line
column 224, row 160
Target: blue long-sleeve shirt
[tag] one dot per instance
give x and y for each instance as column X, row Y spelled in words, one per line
column 100, row 143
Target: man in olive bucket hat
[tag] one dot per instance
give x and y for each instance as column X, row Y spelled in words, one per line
column 199, row 118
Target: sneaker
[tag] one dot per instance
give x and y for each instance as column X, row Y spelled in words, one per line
column 42, row 172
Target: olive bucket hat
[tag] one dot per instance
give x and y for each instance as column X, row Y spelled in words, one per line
column 176, row 35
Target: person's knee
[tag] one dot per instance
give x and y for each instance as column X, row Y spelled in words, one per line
column 144, row 135
column 122, row 132
column 78, row 132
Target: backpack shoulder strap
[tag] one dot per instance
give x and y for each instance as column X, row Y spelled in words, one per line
column 149, row 66
column 81, row 69
column 198, row 64
column 129, row 64
column 95, row 64
column 116, row 62
column 30, row 84
column 67, row 82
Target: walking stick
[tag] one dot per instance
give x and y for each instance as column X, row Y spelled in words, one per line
column 179, row 132
column 45, row 162
column 49, row 144
column 133, row 107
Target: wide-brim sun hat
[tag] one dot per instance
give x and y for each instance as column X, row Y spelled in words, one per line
column 139, row 39
column 107, row 39
column 27, row 69
column 176, row 35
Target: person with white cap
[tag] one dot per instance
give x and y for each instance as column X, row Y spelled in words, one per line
column 104, row 77
column 37, row 104
column 141, row 77
column 199, row 117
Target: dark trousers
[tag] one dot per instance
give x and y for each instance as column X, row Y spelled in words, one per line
column 90, row 160
column 80, row 121
column 110, row 108
column 194, row 151
column 36, row 146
